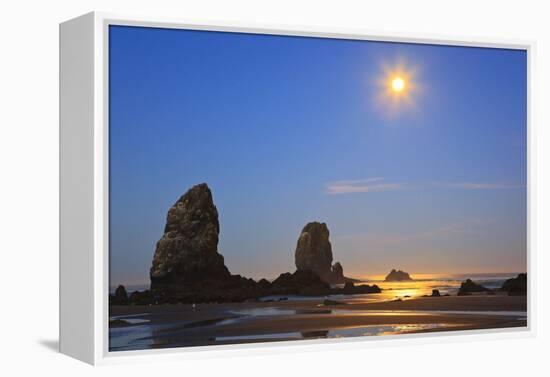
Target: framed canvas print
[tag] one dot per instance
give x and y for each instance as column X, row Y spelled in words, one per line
column 235, row 188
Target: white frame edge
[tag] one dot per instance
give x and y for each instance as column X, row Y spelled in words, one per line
column 84, row 165
column 76, row 178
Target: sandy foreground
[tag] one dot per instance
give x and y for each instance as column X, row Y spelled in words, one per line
column 183, row 325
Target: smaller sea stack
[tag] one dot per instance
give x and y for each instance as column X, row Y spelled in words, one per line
column 398, row 275
column 314, row 253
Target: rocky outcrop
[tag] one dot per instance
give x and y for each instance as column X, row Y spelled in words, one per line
column 468, row 287
column 301, row 282
column 187, row 251
column 314, row 253
column 120, row 297
column 398, row 275
column 114, row 323
column 435, row 293
column 143, row 298
column 308, row 283
column 187, row 267
column 337, row 272
column 515, row 286
column 352, row 289
column 239, row 289
column 313, row 250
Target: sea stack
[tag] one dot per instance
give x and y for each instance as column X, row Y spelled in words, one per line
column 314, row 253
column 187, row 267
column 187, row 251
column 398, row 275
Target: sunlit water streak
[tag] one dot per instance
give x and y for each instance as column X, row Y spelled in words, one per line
column 408, row 289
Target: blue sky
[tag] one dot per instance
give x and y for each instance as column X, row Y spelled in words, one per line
column 287, row 130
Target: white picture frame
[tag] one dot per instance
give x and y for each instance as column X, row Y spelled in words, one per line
column 84, row 190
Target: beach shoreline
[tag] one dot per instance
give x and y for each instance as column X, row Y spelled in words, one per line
column 468, row 303
column 181, row 325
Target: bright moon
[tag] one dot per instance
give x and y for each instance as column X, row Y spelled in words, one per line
column 398, row 84
column 398, row 88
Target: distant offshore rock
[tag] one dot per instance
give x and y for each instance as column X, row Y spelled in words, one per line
column 398, row 275
column 314, row 253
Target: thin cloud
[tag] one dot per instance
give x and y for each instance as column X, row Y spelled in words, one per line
column 379, row 184
column 360, row 186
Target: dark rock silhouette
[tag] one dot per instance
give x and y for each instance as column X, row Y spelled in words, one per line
column 468, row 287
column 352, row 289
column 314, row 334
column 398, row 275
column 187, row 267
column 337, row 272
column 313, row 250
column 435, row 293
column 187, row 251
column 234, row 288
column 120, row 297
column 301, row 282
column 314, row 253
column 142, row 298
column 348, row 288
column 515, row 286
column 118, row 323
column 264, row 283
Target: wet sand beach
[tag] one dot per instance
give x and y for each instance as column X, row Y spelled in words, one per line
column 205, row 324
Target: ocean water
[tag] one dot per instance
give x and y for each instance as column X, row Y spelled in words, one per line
column 421, row 285
column 446, row 284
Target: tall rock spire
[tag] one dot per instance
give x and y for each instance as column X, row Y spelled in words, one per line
column 188, row 249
